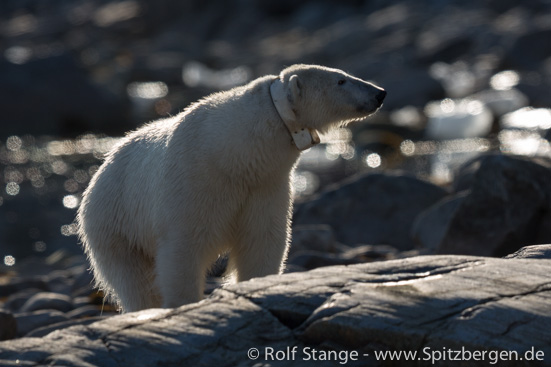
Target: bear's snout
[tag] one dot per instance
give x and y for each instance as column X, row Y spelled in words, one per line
column 380, row 97
column 374, row 100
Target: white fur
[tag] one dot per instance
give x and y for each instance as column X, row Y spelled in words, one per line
column 176, row 193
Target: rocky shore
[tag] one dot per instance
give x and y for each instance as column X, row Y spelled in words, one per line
column 441, row 308
column 409, row 302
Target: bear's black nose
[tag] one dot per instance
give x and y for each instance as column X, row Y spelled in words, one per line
column 380, row 97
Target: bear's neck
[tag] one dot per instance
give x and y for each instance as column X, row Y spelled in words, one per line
column 303, row 138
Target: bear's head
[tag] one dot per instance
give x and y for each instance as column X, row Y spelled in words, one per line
column 321, row 98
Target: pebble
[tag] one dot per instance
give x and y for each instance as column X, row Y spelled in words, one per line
column 15, row 285
column 317, row 237
column 48, row 301
column 84, row 311
column 83, row 281
column 15, row 301
column 8, row 326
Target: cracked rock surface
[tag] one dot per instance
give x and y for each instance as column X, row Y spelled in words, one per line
column 436, row 302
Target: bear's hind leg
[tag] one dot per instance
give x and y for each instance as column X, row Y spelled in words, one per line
column 127, row 276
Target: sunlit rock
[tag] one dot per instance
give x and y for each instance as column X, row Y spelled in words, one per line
column 501, row 102
column 527, row 118
column 455, row 119
column 196, row 74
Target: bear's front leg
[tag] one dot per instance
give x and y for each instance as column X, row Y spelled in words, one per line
column 263, row 234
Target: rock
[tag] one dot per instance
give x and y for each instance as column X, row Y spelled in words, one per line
column 48, row 301
column 371, row 209
column 17, row 284
column 458, row 78
column 431, row 225
column 449, row 50
column 29, row 321
column 78, row 105
column 84, row 311
column 83, row 282
column 475, row 315
column 366, row 253
column 8, row 326
column 81, row 301
column 15, row 301
column 501, row 102
column 457, row 119
column 410, row 86
column 535, row 86
column 532, row 252
column 506, row 206
column 383, row 306
column 60, row 282
column 307, row 260
column 528, row 51
column 312, row 237
column 527, row 118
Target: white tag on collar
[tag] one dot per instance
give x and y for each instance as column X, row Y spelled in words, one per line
column 302, row 137
column 305, row 138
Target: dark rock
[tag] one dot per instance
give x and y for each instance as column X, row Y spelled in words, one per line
column 365, row 253
column 383, row 306
column 15, row 301
column 83, row 281
column 501, row 102
column 532, row 252
column 448, row 50
column 82, row 301
column 84, row 311
column 48, row 301
column 508, row 200
column 528, row 51
column 86, row 291
column 535, row 86
column 15, row 285
column 60, row 282
column 544, row 231
column 283, row 7
column 431, row 225
column 76, row 106
column 312, row 237
column 416, row 86
column 308, row 260
column 218, row 269
column 8, row 326
column 371, row 209
column 29, row 321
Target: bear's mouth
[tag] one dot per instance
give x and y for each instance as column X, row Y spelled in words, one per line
column 368, row 108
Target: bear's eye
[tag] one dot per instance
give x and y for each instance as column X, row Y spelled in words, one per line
column 341, row 82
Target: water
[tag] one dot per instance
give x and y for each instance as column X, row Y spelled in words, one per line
column 41, row 183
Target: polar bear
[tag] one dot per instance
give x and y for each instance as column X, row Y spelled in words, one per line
column 176, row 193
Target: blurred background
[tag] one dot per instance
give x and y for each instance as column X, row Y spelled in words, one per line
column 463, row 77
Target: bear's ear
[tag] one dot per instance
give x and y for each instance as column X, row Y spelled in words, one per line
column 294, row 88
